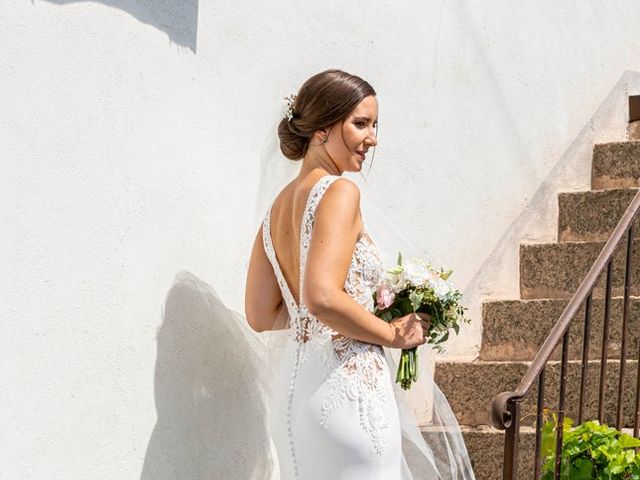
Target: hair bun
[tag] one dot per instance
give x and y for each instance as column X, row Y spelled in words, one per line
column 292, row 144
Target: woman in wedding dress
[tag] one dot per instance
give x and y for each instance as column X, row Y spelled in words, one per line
column 312, row 273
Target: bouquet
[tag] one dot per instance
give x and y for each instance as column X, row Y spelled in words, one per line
column 418, row 287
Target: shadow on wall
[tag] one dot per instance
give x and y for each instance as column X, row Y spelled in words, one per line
column 211, row 413
column 177, row 18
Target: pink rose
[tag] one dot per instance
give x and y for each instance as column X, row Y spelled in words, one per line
column 384, row 297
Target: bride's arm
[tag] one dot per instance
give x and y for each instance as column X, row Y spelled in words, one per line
column 336, row 229
column 263, row 302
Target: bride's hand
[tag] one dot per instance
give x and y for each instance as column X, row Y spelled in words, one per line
column 410, row 330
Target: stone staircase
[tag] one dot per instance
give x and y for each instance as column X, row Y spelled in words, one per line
column 514, row 329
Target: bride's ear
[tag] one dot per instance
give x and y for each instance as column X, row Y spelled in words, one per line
column 321, row 134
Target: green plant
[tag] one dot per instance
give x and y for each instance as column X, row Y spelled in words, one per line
column 589, row 451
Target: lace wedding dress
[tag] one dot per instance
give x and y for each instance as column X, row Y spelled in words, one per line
column 334, row 412
column 298, row 403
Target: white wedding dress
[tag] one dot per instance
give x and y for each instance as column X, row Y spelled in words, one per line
column 334, row 414
column 298, row 403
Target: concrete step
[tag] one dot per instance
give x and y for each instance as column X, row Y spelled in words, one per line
column 515, row 329
column 592, row 216
column 471, row 387
column 555, row 270
column 615, row 165
column 486, row 446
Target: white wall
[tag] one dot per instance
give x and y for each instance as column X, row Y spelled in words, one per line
column 129, row 142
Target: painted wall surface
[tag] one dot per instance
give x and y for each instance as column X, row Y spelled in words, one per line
column 130, row 138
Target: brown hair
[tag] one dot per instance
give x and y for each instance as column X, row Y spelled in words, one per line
column 324, row 99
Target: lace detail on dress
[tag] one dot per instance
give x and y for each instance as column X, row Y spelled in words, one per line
column 357, row 370
column 364, row 272
column 359, row 376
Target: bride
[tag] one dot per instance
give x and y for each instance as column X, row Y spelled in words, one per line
column 327, row 374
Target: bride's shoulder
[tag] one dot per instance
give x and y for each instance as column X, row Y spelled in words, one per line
column 343, row 188
column 342, row 195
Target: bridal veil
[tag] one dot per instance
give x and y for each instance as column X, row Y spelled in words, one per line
column 242, row 364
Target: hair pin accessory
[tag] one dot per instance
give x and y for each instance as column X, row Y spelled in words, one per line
column 288, row 114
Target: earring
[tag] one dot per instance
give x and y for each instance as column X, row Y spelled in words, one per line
column 324, row 140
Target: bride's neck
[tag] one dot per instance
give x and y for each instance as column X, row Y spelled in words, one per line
column 314, row 160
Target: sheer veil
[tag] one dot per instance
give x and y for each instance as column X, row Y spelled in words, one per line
column 252, row 359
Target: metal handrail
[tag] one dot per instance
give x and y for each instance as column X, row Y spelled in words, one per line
column 501, row 414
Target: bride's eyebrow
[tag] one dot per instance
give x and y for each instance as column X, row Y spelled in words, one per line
column 364, row 118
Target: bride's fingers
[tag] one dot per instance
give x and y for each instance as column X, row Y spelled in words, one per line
column 424, row 319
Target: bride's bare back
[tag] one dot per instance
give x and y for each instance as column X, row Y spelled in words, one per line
column 337, row 227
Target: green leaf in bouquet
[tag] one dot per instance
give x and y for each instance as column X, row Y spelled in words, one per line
column 456, row 327
column 396, row 269
column 437, row 318
column 399, row 258
column 445, row 275
column 404, row 305
column 416, row 300
column 387, row 316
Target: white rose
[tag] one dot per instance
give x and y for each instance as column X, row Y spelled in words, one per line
column 417, row 272
column 441, row 288
column 395, row 280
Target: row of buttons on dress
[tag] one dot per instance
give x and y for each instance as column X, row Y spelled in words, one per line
column 289, row 406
